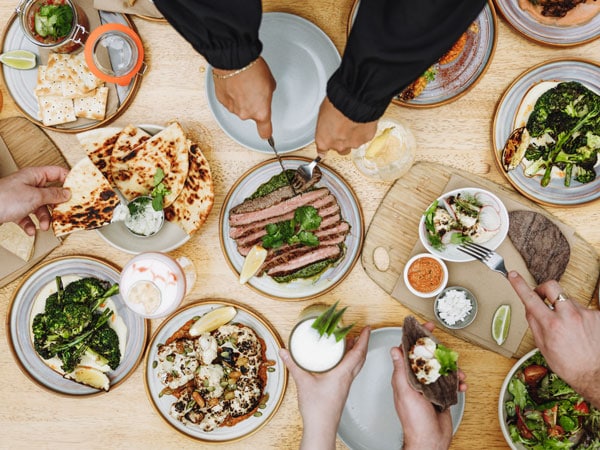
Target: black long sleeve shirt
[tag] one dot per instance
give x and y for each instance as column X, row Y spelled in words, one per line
column 392, row 43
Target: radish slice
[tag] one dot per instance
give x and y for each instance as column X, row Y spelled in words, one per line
column 486, row 200
column 449, row 208
column 489, row 218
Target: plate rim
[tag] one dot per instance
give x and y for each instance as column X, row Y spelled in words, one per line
column 222, row 237
column 9, row 312
column 522, row 30
column 195, row 303
column 494, row 130
column 209, row 83
column 135, row 85
column 461, row 395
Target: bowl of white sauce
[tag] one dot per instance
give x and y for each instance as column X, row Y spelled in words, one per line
column 140, row 217
column 455, row 307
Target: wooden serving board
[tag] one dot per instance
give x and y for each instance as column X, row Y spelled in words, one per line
column 27, row 145
column 393, row 237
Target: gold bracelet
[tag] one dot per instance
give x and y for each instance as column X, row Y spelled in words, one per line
column 234, row 73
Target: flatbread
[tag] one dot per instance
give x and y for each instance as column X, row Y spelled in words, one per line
column 92, row 200
column 193, row 205
column 98, row 145
column 133, row 167
column 14, row 239
column 92, row 106
column 443, row 393
column 540, row 242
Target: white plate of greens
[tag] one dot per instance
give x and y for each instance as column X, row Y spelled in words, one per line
column 555, row 193
column 27, row 300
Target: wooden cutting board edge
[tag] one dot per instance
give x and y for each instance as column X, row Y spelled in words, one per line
column 394, row 228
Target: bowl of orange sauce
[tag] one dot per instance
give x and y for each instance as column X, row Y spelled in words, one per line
column 425, row 275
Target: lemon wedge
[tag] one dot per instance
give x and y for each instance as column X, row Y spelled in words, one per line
column 90, row 377
column 378, row 146
column 501, row 324
column 19, row 59
column 256, row 256
column 212, row 320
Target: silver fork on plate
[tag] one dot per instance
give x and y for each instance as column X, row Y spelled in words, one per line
column 489, row 257
column 304, row 173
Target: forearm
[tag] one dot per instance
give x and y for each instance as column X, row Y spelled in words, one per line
column 392, row 43
column 319, row 434
column 225, row 32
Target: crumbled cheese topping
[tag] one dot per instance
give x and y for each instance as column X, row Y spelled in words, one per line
column 423, row 362
column 454, row 306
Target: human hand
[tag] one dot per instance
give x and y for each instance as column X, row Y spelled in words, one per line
column 336, row 132
column 423, row 425
column 321, row 396
column 25, row 192
column 567, row 336
column 248, row 95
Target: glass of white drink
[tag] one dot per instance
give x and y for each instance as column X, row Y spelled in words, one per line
column 318, row 348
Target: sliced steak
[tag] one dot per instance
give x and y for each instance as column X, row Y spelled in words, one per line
column 319, row 254
column 278, row 209
column 540, row 242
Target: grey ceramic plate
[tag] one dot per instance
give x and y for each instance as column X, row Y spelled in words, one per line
column 276, row 380
column 19, row 325
column 21, row 83
column 587, row 73
column 301, row 58
column 350, row 211
column 369, row 420
column 526, row 24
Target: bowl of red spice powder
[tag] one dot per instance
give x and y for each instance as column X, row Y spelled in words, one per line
column 425, row 275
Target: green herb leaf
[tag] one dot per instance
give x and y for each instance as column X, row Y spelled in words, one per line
column 320, row 323
column 335, row 320
column 159, row 191
column 328, row 323
column 54, row 20
column 306, row 218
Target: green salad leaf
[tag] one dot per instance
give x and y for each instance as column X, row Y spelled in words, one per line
column 447, row 358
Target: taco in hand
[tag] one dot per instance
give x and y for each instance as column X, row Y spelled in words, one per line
column 432, row 368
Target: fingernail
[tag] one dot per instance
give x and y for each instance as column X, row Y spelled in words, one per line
column 395, row 355
column 512, row 274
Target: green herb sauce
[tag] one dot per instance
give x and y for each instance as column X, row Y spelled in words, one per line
column 277, row 181
column 313, row 270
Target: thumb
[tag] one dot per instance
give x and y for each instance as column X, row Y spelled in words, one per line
column 54, row 195
column 399, row 381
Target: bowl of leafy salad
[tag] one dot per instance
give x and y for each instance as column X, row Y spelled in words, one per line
column 538, row 410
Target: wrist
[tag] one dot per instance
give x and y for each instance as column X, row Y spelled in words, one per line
column 222, row 74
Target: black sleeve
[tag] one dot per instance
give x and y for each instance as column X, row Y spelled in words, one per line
column 391, row 44
column 225, row 32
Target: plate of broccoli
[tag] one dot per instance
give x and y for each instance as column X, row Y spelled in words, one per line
column 70, row 330
column 557, row 103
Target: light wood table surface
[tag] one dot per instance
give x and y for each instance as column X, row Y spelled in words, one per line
column 458, row 135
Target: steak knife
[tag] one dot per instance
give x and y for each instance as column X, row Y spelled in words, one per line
column 272, row 144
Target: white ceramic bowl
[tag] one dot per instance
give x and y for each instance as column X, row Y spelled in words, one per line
column 469, row 318
column 441, row 285
column 450, row 252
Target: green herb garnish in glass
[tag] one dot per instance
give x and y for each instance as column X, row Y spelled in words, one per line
column 328, row 323
column 53, row 21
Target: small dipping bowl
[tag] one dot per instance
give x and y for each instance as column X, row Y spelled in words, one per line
column 425, row 275
column 152, row 220
column 449, row 307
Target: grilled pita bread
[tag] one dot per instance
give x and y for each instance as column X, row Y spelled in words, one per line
column 14, row 239
column 194, row 203
column 98, row 145
column 92, row 200
column 136, row 158
column 540, row 242
column 443, row 393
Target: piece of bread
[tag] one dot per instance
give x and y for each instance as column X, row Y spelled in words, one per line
column 14, row 239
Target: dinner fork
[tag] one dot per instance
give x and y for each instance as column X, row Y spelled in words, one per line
column 304, row 174
column 489, row 257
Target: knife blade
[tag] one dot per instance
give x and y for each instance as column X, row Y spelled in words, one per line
column 271, row 142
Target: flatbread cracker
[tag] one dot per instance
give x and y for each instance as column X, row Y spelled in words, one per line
column 14, row 239
column 56, row 110
column 92, row 107
column 81, row 74
column 193, row 205
column 92, row 200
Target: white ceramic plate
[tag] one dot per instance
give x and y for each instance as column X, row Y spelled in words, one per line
column 276, row 380
column 450, row 252
column 588, row 74
column 526, row 24
column 170, row 236
column 349, row 209
column 301, row 58
column 369, row 420
column 21, row 83
column 19, row 329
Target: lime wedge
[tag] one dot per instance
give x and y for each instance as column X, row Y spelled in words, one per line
column 212, row 320
column 501, row 324
column 19, row 59
column 90, row 377
column 256, row 256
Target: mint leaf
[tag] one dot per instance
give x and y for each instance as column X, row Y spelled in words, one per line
column 159, row 190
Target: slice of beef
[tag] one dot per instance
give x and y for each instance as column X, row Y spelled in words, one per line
column 443, row 392
column 278, row 209
column 318, row 254
column 540, row 242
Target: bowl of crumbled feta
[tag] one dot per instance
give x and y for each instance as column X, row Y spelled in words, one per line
column 455, row 307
